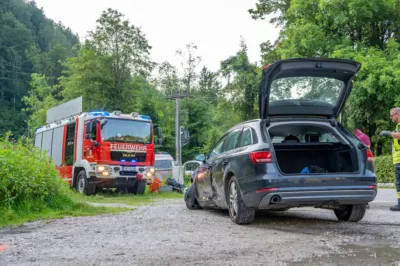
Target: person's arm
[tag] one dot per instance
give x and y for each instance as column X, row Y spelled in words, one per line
column 386, row 133
column 396, row 135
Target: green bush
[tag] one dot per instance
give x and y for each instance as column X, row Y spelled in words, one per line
column 28, row 179
column 384, row 169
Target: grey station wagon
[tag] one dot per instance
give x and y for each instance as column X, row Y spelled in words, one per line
column 297, row 154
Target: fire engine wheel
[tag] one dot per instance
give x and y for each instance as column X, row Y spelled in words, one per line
column 141, row 187
column 82, row 184
column 138, row 188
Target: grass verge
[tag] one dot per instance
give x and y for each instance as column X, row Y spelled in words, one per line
column 128, row 199
column 31, row 188
column 60, row 208
column 75, row 204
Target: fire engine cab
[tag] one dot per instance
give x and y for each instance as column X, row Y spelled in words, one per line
column 96, row 150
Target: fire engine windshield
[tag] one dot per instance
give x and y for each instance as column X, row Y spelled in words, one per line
column 121, row 130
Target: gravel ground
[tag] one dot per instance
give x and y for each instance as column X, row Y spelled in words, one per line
column 170, row 234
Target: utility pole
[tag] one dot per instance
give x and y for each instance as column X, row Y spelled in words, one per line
column 177, row 170
column 178, row 145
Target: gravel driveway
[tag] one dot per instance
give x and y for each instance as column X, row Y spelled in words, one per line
column 169, row 234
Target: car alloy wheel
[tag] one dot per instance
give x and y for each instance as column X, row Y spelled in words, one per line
column 233, row 199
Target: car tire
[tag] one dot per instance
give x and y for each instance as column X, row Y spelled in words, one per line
column 351, row 213
column 239, row 213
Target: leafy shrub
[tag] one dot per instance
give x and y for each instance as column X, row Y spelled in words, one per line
column 29, row 179
column 384, row 169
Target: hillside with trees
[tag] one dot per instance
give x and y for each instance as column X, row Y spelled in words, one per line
column 29, row 43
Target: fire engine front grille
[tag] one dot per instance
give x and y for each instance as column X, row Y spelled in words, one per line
column 128, row 156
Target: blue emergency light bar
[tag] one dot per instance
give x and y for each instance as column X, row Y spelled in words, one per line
column 99, row 113
column 145, row 117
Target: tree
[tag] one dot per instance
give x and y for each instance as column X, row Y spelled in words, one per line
column 38, row 101
column 29, row 43
column 126, row 44
column 267, row 7
column 209, row 85
column 243, row 78
column 189, row 66
column 167, row 79
column 107, row 64
column 368, row 32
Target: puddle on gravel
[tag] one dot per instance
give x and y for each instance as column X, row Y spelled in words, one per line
column 361, row 253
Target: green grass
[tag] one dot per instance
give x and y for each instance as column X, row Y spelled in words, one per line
column 390, row 187
column 33, row 190
column 74, row 204
column 60, row 208
column 128, row 199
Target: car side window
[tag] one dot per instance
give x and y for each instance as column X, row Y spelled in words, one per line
column 232, row 140
column 218, row 148
column 192, row 166
column 245, row 139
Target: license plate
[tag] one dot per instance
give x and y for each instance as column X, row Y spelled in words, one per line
column 128, row 168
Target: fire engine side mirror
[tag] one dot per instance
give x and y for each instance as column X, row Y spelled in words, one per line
column 89, row 128
column 159, row 135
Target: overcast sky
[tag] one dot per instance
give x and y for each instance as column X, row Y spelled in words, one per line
column 214, row 26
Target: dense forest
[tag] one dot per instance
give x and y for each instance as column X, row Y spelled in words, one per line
column 29, row 43
column 42, row 64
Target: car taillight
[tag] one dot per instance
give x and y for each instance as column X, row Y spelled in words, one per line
column 370, row 156
column 261, row 157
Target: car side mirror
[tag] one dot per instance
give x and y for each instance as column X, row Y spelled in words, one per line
column 201, row 158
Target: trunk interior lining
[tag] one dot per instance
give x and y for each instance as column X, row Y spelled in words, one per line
column 292, row 158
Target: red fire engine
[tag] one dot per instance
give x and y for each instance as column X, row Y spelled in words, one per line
column 96, row 150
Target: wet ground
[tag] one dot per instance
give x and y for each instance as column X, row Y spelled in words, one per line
column 169, row 234
column 379, row 252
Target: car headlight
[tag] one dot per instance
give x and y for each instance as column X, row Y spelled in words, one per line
column 148, row 174
column 152, row 170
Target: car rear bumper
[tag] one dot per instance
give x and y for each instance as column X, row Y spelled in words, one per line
column 285, row 199
column 315, row 198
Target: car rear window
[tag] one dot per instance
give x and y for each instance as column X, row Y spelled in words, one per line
column 306, row 88
column 304, row 134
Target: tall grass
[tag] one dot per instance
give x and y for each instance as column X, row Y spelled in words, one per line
column 30, row 187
